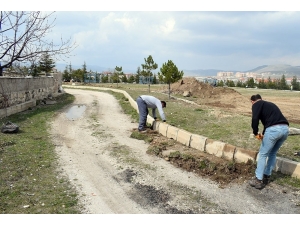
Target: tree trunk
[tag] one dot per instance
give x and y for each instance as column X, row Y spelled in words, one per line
column 169, row 89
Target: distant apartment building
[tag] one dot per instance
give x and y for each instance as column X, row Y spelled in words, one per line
column 224, row 75
column 240, row 75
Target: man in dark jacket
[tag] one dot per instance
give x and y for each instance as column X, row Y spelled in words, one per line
column 146, row 101
column 275, row 132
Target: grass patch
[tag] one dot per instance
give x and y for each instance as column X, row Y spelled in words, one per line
column 29, row 180
column 141, row 136
column 284, row 180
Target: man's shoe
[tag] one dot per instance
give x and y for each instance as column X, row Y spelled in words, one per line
column 266, row 179
column 143, row 131
column 258, row 184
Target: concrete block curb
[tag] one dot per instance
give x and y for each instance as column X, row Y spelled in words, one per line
column 172, row 132
column 214, row 147
column 243, row 155
column 184, row 137
column 150, row 120
column 131, row 101
column 278, row 164
column 198, row 142
column 229, row 152
column 156, row 125
column 162, row 129
column 290, row 167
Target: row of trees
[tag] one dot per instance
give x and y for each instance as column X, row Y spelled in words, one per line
column 44, row 65
column 279, row 84
column 169, row 73
column 75, row 75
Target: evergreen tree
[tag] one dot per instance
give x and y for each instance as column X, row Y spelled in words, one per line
column 220, row 83
column 46, row 63
column 239, row 84
column 137, row 76
column 77, row 75
column 282, row 83
column 154, row 80
column 34, row 70
column 250, row 83
column 84, row 71
column 270, row 84
column 66, row 75
column 262, row 84
column 97, row 77
column 70, row 70
column 169, row 73
column 124, row 78
column 131, row 79
column 231, row 84
column 147, row 69
column 104, row 79
column 295, row 84
column 117, row 73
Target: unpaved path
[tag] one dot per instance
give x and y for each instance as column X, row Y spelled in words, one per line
column 114, row 175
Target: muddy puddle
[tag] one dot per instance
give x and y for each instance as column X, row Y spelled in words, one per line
column 75, row 112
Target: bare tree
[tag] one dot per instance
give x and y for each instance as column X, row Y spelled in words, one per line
column 23, row 38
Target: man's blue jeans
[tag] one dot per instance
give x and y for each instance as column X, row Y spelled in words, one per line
column 274, row 137
column 143, row 112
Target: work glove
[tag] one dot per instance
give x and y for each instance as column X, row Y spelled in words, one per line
column 259, row 136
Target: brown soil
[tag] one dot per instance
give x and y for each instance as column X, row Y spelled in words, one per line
column 217, row 169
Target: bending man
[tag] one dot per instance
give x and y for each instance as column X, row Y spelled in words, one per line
column 146, row 101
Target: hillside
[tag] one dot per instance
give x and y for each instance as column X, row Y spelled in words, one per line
column 269, row 70
column 279, row 69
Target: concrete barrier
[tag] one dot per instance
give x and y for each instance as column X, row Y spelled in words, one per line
column 163, row 127
column 156, row 125
column 198, row 142
column 243, row 155
column 184, row 137
column 290, row 167
column 229, row 152
column 214, row 147
column 172, row 132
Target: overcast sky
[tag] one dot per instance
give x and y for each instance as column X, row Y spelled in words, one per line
column 212, row 37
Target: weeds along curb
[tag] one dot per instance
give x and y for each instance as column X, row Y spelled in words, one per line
column 201, row 143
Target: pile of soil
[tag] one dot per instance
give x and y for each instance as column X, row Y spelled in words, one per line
column 208, row 95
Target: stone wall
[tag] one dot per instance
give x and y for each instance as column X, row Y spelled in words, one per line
column 16, row 91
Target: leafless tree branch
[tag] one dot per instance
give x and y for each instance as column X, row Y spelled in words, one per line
column 23, row 38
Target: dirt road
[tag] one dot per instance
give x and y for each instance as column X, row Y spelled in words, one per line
column 114, row 174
